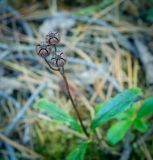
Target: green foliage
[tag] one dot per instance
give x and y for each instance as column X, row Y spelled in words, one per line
column 88, row 11
column 136, row 119
column 79, row 152
column 116, row 105
column 146, row 107
column 50, row 145
column 57, row 114
column 140, row 125
column 122, row 107
column 149, row 14
column 129, row 114
column 117, row 131
column 99, row 107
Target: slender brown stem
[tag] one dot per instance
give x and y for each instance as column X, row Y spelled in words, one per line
column 61, row 70
column 55, row 49
column 74, row 106
column 50, row 65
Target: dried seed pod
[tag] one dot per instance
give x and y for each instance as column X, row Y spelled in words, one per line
column 53, row 64
column 58, row 61
column 43, row 49
column 53, row 38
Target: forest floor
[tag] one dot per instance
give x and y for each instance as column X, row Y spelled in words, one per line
column 109, row 48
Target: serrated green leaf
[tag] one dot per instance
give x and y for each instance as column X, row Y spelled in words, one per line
column 57, row 114
column 146, row 107
column 79, row 152
column 116, row 105
column 140, row 125
column 118, row 131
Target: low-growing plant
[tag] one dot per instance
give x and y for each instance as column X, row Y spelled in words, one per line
column 124, row 107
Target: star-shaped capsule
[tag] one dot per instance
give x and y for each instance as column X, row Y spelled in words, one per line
column 43, row 49
column 53, row 38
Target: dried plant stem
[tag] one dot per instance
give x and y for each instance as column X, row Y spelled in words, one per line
column 50, row 65
column 61, row 70
column 74, row 105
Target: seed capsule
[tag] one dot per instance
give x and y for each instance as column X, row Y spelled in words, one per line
column 61, row 60
column 53, row 38
column 43, row 49
column 58, row 61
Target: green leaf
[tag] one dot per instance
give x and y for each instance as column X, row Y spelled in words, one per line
column 149, row 14
column 89, row 10
column 99, row 107
column 146, row 107
column 116, row 105
column 140, row 125
column 129, row 114
column 57, row 114
column 79, row 152
column 118, row 131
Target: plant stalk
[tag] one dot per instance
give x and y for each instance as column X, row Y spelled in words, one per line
column 73, row 104
column 50, row 65
column 61, row 70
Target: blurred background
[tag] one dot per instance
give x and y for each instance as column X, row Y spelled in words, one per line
column 109, row 48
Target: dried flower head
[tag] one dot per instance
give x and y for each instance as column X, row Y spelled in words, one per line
column 58, row 61
column 53, row 38
column 43, row 49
